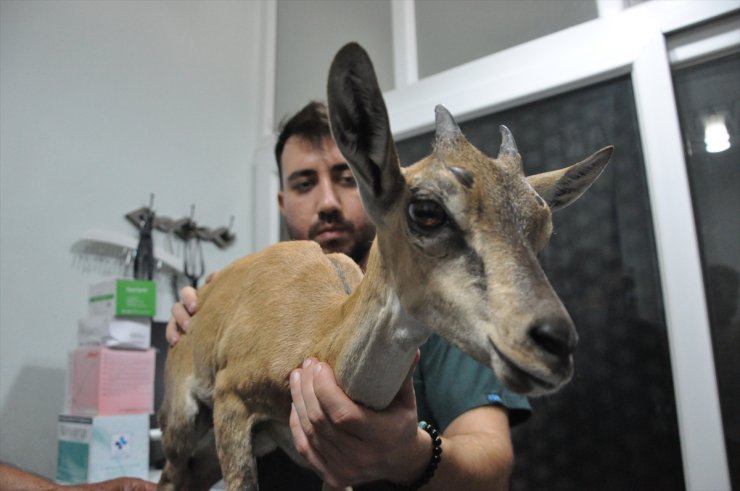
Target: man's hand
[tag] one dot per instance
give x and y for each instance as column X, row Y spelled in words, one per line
column 182, row 312
column 348, row 444
column 120, row 484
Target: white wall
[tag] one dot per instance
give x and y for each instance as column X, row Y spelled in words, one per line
column 310, row 32
column 101, row 104
column 452, row 33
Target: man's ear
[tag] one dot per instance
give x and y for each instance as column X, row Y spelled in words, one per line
column 281, row 203
column 559, row 188
column 360, row 126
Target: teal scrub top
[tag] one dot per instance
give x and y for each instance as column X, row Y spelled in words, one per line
column 448, row 383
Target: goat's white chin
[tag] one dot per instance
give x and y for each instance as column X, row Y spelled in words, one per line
column 522, row 381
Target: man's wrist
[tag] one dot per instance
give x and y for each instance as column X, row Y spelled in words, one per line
column 422, row 462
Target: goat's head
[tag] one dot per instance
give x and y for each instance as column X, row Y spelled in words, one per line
column 459, row 232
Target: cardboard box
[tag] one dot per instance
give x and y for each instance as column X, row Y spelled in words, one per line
column 115, row 332
column 131, row 298
column 104, row 381
column 93, row 449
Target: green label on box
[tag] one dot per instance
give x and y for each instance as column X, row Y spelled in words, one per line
column 72, row 462
column 136, row 298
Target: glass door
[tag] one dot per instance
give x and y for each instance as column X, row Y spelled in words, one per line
column 708, row 99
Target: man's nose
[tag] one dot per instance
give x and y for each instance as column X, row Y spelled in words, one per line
column 328, row 199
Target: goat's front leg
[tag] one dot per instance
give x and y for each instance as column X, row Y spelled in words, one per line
column 233, row 424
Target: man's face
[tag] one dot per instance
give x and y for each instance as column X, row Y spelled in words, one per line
column 320, row 200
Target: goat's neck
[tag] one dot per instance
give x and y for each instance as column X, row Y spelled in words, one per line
column 384, row 340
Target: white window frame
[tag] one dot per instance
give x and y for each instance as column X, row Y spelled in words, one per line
column 627, row 41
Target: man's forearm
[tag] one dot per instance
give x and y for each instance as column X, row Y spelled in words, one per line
column 473, row 462
column 477, row 453
column 14, row 479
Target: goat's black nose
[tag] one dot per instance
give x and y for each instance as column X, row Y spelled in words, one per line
column 557, row 337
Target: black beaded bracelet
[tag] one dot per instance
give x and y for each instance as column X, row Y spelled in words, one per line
column 433, row 462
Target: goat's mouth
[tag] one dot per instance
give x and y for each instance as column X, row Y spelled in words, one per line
column 521, row 380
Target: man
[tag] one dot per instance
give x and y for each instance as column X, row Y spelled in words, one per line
column 347, row 444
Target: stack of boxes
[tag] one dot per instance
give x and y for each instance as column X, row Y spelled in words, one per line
column 104, row 430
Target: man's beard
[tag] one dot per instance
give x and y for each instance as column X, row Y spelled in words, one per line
column 356, row 244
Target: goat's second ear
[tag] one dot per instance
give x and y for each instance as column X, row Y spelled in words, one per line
column 562, row 187
column 360, row 126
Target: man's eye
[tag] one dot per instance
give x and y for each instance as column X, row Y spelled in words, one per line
column 303, row 185
column 347, row 180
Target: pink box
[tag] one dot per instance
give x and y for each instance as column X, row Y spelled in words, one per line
column 106, row 382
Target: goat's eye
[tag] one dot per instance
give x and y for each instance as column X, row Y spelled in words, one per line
column 427, row 214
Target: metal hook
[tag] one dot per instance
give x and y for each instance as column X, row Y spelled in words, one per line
column 222, row 236
column 139, row 216
column 186, row 228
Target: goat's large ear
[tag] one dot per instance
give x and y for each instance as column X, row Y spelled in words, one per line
column 562, row 187
column 359, row 123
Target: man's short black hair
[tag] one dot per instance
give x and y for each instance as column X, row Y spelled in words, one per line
column 310, row 123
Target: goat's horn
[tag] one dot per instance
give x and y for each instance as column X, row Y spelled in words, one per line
column 508, row 145
column 446, row 125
